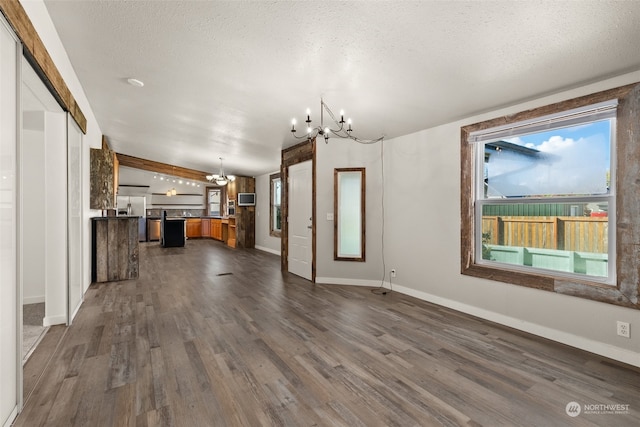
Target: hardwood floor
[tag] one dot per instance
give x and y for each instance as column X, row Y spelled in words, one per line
column 212, row 336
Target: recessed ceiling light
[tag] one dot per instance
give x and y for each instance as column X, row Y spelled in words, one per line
column 135, row 82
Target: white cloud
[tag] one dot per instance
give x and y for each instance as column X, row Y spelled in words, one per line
column 556, row 143
column 573, row 166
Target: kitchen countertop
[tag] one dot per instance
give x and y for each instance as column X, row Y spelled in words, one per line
column 192, row 217
column 116, row 217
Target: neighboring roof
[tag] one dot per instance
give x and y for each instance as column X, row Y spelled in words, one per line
column 520, row 149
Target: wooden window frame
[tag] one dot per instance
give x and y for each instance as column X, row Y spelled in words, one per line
column 626, row 291
column 337, row 216
column 223, row 197
column 272, row 231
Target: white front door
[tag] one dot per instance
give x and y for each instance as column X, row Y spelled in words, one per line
column 300, row 219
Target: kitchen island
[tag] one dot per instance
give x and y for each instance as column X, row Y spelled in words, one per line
column 114, row 248
column 172, row 232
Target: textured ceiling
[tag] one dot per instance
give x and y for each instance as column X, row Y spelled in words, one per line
column 224, row 79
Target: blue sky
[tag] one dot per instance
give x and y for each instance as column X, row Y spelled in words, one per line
column 578, row 161
column 594, row 133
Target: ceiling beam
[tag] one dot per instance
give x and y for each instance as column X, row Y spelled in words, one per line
column 161, row 168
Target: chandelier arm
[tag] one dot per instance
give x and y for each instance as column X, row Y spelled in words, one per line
column 337, row 131
column 340, row 132
column 312, row 134
column 326, row 107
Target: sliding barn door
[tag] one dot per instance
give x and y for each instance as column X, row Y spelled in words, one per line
column 74, row 216
column 10, row 363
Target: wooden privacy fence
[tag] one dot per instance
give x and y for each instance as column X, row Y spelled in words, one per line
column 570, row 233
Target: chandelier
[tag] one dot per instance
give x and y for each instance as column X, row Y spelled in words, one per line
column 221, row 179
column 339, row 132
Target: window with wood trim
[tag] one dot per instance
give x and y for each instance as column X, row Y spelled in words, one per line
column 275, row 202
column 543, row 197
column 349, row 214
column 547, row 197
column 214, row 199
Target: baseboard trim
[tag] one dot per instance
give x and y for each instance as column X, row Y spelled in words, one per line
column 271, row 251
column 606, row 350
column 350, row 282
column 32, row 300
column 54, row 320
column 12, row 417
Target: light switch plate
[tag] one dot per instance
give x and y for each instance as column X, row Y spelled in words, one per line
column 329, row 217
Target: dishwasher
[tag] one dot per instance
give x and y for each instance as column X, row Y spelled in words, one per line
column 153, row 230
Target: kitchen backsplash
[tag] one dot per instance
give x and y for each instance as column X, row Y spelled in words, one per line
column 176, row 212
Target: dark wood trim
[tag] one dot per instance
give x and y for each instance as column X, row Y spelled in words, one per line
column 290, row 156
column 245, row 218
column 105, row 143
column 363, row 192
column 627, row 290
column 38, row 56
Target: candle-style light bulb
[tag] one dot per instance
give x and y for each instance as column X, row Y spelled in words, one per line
column 349, row 123
column 293, row 125
column 308, row 115
column 309, row 129
column 341, row 116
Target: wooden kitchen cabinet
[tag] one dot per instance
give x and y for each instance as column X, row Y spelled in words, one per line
column 194, row 227
column 231, row 236
column 206, row 227
column 216, row 229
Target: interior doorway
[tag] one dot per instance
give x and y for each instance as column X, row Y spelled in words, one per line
column 43, row 281
column 300, row 212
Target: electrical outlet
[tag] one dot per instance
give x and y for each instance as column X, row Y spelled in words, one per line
column 393, row 272
column 623, row 329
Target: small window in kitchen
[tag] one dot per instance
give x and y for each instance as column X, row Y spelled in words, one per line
column 213, row 201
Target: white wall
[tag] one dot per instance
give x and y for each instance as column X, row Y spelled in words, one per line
column 264, row 241
column 55, row 216
column 339, row 153
column 422, row 238
column 33, row 207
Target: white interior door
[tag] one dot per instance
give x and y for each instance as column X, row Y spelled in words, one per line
column 10, row 317
column 300, row 219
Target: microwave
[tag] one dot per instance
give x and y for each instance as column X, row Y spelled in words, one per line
column 246, row 199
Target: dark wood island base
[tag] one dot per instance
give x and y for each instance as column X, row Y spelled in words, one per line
column 114, row 249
